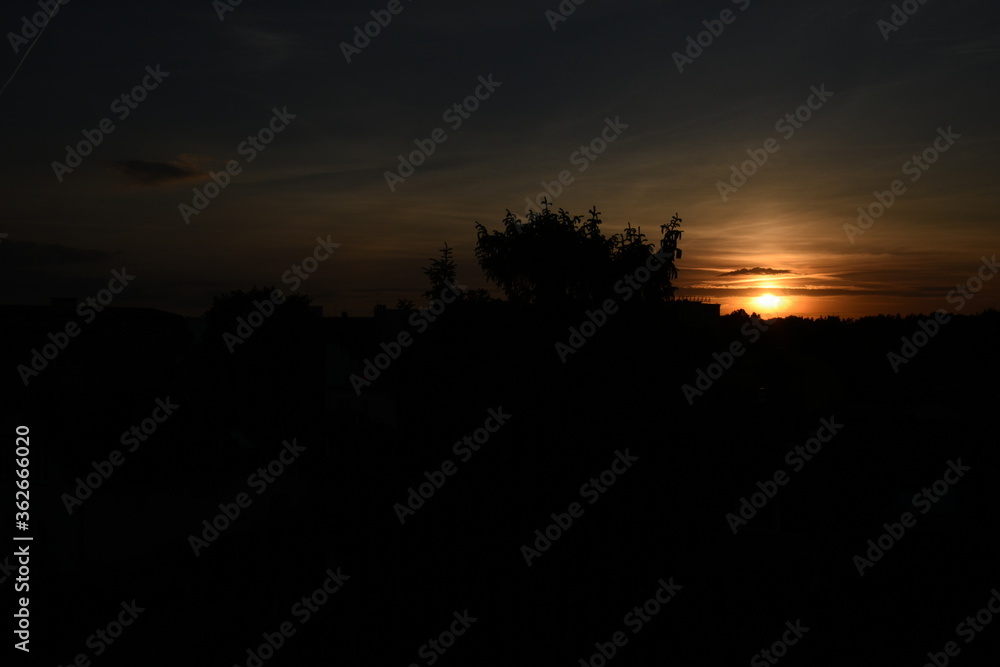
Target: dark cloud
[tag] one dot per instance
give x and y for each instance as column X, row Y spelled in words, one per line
column 145, row 172
column 28, row 254
column 756, row 271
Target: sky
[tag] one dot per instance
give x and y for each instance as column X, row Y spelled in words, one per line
column 681, row 117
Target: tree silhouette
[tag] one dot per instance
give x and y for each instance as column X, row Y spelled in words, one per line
column 557, row 260
column 442, row 273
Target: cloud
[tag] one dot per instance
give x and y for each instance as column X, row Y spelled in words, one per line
column 145, row 172
column 742, row 292
column 28, row 254
column 756, row 271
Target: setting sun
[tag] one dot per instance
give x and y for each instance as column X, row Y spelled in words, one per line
column 768, row 301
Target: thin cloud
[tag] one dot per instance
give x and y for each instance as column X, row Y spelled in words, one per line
column 756, row 271
column 145, row 172
column 815, row 291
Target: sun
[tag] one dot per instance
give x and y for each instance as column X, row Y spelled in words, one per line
column 768, row 301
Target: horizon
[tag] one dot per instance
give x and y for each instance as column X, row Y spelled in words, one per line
column 754, row 307
column 676, row 319
column 864, row 178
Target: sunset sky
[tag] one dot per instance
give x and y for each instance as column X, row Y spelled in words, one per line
column 323, row 175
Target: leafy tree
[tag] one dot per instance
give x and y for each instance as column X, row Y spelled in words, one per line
column 442, row 273
column 557, row 260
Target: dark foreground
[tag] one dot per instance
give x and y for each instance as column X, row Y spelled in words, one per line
column 634, row 492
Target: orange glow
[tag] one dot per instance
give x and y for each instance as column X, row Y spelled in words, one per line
column 770, row 305
column 768, row 301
